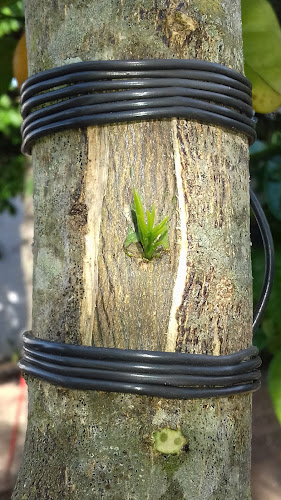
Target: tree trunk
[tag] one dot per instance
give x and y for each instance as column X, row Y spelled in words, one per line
column 87, row 290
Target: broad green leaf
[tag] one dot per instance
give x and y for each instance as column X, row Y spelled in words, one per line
column 131, row 238
column 7, row 47
column 262, row 53
column 260, row 340
column 272, row 186
column 7, row 3
column 257, row 147
column 274, row 382
column 265, row 98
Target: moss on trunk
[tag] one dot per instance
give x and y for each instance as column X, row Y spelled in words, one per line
column 87, row 290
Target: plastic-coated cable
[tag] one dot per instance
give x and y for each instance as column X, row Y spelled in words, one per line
column 160, row 391
column 137, row 65
column 268, row 246
column 170, row 375
column 155, row 89
column 136, row 95
column 85, row 76
column 137, row 115
column 111, row 107
column 142, row 366
column 124, row 91
column 132, row 355
column 148, row 378
column 117, row 85
column 191, row 107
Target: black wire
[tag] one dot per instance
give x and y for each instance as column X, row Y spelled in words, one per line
column 137, row 65
column 147, row 378
column 124, row 91
column 104, row 85
column 154, row 373
column 141, row 372
column 108, row 353
column 138, row 94
column 137, row 115
column 133, row 388
column 103, row 75
column 140, row 366
column 268, row 246
column 170, row 375
column 111, row 107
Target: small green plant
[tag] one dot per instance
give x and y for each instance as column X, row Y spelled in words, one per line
column 150, row 237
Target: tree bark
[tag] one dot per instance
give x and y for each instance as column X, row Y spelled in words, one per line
column 87, row 290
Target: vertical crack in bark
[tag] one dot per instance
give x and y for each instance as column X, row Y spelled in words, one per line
column 94, row 185
column 179, row 285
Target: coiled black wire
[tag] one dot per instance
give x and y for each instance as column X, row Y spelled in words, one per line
column 124, row 91
column 170, row 375
column 200, row 90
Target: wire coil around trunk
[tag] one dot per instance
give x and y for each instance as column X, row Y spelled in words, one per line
column 103, row 92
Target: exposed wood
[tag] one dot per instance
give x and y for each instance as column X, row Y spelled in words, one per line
column 87, row 290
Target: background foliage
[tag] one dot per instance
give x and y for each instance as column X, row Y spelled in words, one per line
column 11, row 161
column 262, row 53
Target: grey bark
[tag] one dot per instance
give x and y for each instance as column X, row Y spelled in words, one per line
column 87, row 290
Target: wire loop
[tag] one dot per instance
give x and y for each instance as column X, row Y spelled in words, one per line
column 103, row 92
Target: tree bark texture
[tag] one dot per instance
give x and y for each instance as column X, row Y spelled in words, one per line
column 87, row 290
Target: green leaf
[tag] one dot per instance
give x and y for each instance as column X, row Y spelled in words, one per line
column 7, row 47
column 165, row 240
column 161, row 238
column 150, row 237
column 132, row 237
column 272, row 186
column 6, row 3
column 262, row 53
column 274, row 382
column 140, row 216
column 159, row 227
column 150, row 218
column 260, row 340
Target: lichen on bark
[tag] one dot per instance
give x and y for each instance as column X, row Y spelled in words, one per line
column 197, row 298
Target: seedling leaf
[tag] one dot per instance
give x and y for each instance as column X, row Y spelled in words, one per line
column 150, row 237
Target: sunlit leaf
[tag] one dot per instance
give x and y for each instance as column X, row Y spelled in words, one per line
column 150, row 237
column 150, row 217
column 274, row 382
column 262, row 53
column 140, row 215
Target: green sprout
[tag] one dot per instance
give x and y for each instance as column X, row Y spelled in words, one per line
column 150, row 237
